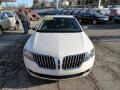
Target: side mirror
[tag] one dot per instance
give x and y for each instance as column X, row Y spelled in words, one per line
column 34, row 28
column 84, row 27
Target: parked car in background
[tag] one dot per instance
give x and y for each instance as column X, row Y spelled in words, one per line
column 12, row 17
column 104, row 11
column 8, row 19
column 91, row 15
column 94, row 18
column 113, row 13
column 4, row 21
column 59, row 49
column 117, row 19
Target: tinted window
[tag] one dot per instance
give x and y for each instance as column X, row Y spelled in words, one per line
column 60, row 25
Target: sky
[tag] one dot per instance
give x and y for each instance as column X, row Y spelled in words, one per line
column 26, row 2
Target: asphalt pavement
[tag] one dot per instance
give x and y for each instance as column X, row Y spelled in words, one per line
column 105, row 74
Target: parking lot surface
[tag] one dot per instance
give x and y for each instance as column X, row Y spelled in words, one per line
column 105, row 74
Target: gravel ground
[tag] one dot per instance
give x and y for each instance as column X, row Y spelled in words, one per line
column 105, row 74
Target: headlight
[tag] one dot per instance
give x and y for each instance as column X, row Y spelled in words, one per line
column 28, row 54
column 89, row 54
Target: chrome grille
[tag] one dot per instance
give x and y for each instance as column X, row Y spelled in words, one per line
column 73, row 61
column 44, row 61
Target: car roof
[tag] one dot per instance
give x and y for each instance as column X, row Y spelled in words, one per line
column 60, row 16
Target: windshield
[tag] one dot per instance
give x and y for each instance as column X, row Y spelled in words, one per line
column 59, row 25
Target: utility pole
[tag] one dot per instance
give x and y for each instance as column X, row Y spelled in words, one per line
column 57, row 4
column 99, row 3
column 84, row 2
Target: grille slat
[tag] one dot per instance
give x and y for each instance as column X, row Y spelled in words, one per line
column 41, row 60
column 50, row 63
column 37, row 60
column 79, row 61
column 69, row 65
column 51, row 66
column 47, row 63
column 75, row 60
column 72, row 62
column 66, row 63
column 40, row 64
column 53, row 63
column 44, row 61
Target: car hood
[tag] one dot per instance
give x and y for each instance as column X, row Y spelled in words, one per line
column 59, row 44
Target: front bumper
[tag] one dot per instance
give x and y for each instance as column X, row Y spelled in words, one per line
column 56, row 74
column 58, row 77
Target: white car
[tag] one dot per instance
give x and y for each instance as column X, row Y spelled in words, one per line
column 8, row 19
column 12, row 19
column 59, row 49
column 4, row 23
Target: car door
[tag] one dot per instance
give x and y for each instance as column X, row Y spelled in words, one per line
column 4, row 21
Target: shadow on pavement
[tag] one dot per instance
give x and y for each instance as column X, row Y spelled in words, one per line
column 13, row 73
column 105, row 38
column 13, row 33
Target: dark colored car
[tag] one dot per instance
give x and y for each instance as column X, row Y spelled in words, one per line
column 59, row 12
column 117, row 19
column 92, row 18
column 114, row 12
